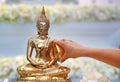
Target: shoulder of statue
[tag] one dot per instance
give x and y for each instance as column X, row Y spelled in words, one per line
column 51, row 39
column 32, row 39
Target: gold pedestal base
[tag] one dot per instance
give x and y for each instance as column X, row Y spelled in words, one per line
column 43, row 79
column 28, row 73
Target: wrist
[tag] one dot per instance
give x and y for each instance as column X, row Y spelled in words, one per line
column 88, row 52
column 83, row 52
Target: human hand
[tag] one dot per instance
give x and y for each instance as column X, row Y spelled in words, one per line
column 70, row 49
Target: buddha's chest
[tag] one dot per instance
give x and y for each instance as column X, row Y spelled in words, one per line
column 41, row 44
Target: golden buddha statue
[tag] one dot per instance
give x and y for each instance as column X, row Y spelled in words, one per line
column 44, row 66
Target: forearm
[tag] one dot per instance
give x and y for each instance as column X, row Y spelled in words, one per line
column 109, row 56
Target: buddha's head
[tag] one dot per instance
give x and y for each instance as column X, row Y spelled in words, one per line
column 43, row 24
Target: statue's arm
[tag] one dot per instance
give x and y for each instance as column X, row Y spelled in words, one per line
column 30, row 48
column 57, row 51
column 54, row 53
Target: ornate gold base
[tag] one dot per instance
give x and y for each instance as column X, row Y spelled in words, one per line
column 28, row 73
column 43, row 79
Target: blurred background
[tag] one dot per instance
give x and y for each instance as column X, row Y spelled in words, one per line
column 93, row 23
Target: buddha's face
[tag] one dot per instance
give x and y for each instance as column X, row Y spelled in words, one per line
column 43, row 29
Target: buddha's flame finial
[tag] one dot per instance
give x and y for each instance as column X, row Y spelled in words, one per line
column 43, row 11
